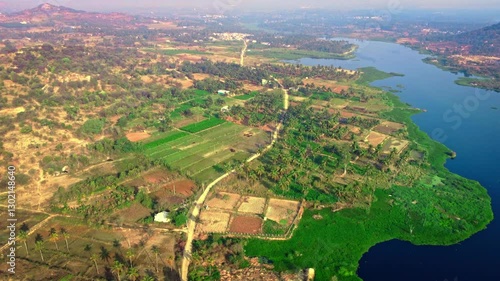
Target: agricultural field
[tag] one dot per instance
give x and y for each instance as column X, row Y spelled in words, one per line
column 282, row 210
column 231, row 212
column 253, row 205
column 223, row 200
column 203, row 125
column 389, row 128
column 213, row 221
column 246, row 224
column 375, row 138
column 203, row 154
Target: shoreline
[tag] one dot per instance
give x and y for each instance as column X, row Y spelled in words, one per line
column 438, row 155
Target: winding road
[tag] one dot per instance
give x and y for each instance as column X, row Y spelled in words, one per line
column 195, row 211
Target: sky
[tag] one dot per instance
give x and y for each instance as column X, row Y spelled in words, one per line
column 244, row 5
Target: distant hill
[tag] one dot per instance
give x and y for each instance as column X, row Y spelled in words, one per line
column 48, row 14
column 484, row 41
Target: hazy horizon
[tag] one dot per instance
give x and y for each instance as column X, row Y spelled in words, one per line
column 253, row 5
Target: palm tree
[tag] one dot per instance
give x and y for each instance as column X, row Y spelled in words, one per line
column 130, row 255
column 87, row 248
column 148, row 278
column 23, row 237
column 156, row 251
column 65, row 235
column 94, row 258
column 54, row 237
column 133, row 274
column 117, row 269
column 40, row 246
column 104, row 254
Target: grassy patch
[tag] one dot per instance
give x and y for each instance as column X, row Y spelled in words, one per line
column 292, row 54
column 272, row 227
column 335, row 250
column 247, row 96
column 371, row 74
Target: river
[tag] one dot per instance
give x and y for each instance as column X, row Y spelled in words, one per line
column 465, row 119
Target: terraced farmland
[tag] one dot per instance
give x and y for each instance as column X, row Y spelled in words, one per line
column 202, row 154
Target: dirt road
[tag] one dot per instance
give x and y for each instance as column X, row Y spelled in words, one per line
column 195, row 211
column 243, row 51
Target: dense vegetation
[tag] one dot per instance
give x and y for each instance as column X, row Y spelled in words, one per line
column 439, row 209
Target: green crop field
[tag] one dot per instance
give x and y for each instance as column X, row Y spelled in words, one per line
column 201, row 154
column 247, row 96
column 203, row 125
column 175, row 135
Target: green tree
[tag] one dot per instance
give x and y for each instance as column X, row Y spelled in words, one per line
column 130, row 255
column 94, row 258
column 23, row 237
column 54, row 237
column 66, row 236
column 133, row 273
column 40, row 246
column 117, row 269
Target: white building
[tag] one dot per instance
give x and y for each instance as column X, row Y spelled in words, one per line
column 162, row 217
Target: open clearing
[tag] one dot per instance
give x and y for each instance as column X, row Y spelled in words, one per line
column 223, row 200
column 137, row 136
column 213, row 221
column 253, row 205
column 246, row 224
column 133, row 213
column 282, row 210
column 388, row 127
column 158, row 176
column 183, row 187
column 375, row 138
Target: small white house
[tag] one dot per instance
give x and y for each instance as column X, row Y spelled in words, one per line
column 162, row 217
column 225, row 108
column 223, row 92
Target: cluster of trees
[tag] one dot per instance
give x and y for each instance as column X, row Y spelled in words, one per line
column 304, row 162
column 54, row 163
column 319, row 71
column 130, row 168
column 109, row 146
column 212, row 85
column 123, row 265
column 262, row 109
column 366, row 123
column 328, row 46
column 207, row 253
column 226, row 70
column 92, row 127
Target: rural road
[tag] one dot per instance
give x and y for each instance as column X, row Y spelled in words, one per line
column 191, row 225
column 243, row 51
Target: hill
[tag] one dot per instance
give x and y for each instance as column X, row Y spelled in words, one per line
column 484, row 41
column 50, row 15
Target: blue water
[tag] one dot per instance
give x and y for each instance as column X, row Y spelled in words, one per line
column 462, row 118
